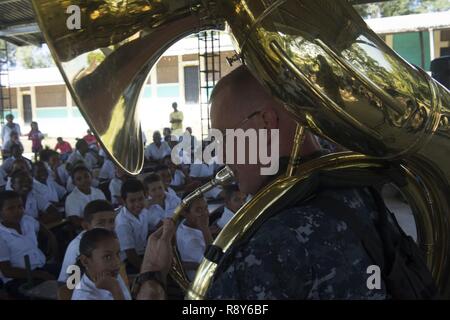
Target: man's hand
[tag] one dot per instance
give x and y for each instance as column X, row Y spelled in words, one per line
column 158, row 254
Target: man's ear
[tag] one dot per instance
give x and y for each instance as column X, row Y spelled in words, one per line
column 84, row 261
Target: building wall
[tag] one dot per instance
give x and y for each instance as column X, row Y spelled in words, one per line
column 408, row 46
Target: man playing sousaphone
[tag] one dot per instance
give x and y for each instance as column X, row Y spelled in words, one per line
column 307, row 250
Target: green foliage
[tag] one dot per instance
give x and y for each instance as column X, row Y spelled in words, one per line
column 31, row 57
column 401, row 7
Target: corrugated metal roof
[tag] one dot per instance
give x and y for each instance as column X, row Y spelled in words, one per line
column 17, row 23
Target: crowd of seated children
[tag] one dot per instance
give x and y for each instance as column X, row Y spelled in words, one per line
column 19, row 239
column 234, row 200
column 100, row 263
column 157, row 150
column 193, row 235
column 56, row 170
column 82, row 194
column 161, row 204
column 134, row 224
column 36, row 205
column 97, row 214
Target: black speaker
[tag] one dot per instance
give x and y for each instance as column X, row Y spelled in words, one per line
column 440, row 70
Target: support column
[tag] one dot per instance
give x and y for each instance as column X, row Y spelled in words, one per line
column 181, row 79
column 33, row 103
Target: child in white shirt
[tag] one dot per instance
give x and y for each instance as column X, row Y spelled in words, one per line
column 100, row 259
column 18, row 238
column 97, row 214
column 83, row 193
column 133, row 224
column 161, row 204
column 193, row 235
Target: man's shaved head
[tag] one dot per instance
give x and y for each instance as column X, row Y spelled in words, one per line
column 238, row 96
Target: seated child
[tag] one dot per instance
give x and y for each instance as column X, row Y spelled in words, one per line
column 193, row 235
column 100, row 261
column 97, row 214
column 162, row 204
column 16, row 152
column 82, row 194
column 166, row 177
column 234, row 200
column 133, row 224
column 36, row 205
column 19, row 238
column 47, row 186
column 115, row 185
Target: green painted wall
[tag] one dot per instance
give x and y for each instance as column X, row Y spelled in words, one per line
column 407, row 45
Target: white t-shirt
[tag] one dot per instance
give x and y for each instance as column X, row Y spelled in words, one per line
column 178, row 178
column 152, row 151
column 35, row 203
column 133, row 231
column 76, row 201
column 114, row 187
column 88, row 291
column 108, row 170
column 89, row 159
column 70, row 258
column 14, row 246
column 191, row 245
column 225, row 218
column 170, row 204
column 6, row 132
column 52, row 191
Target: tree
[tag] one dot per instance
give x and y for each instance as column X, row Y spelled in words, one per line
column 401, row 7
column 31, row 57
column 11, row 54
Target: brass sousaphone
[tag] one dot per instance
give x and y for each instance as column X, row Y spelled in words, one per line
column 333, row 73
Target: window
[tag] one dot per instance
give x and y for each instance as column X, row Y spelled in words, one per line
column 191, row 84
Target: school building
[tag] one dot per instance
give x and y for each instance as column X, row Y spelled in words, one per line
column 41, row 95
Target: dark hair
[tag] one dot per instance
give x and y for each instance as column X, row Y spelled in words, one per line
column 77, row 169
column 96, row 206
column 90, row 240
column 79, row 143
column 131, row 186
column 152, row 178
column 7, row 195
column 18, row 173
column 228, row 190
column 161, row 168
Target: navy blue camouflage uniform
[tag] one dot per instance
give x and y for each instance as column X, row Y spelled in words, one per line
column 302, row 253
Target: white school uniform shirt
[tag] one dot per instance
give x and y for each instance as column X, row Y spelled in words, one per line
column 52, row 191
column 6, row 132
column 14, row 246
column 70, row 257
column 201, row 170
column 76, row 201
column 132, row 231
column 114, row 188
column 89, row 160
column 191, row 245
column 170, row 204
column 35, row 202
column 88, row 291
column 225, row 218
column 108, row 170
column 178, row 178
column 152, row 151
